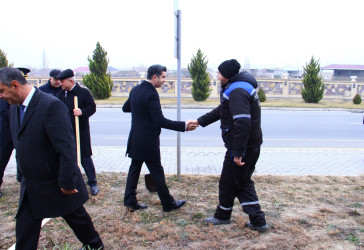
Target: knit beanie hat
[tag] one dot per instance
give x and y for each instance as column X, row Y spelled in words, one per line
column 229, row 68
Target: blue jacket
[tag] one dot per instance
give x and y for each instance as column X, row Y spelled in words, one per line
column 239, row 113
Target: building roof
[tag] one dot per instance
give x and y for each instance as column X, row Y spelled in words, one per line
column 343, row 67
column 81, row 69
column 87, row 70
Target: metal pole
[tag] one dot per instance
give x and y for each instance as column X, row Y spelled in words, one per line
column 178, row 92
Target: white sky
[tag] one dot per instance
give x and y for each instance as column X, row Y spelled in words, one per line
column 264, row 33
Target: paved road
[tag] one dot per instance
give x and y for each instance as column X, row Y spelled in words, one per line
column 342, row 153
column 281, row 129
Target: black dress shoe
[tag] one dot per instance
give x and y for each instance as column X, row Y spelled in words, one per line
column 136, row 207
column 175, row 205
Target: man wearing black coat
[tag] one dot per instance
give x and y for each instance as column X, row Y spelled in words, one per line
column 51, row 184
column 86, row 108
column 240, row 115
column 53, row 86
column 6, row 142
column 143, row 142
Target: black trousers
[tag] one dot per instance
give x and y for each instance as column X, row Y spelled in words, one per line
column 157, row 173
column 88, row 166
column 6, row 148
column 28, row 228
column 235, row 182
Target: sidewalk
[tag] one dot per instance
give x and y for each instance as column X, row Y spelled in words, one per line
column 272, row 161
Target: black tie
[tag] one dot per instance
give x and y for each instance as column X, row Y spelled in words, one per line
column 21, row 113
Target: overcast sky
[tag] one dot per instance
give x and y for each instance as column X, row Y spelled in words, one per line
column 265, row 33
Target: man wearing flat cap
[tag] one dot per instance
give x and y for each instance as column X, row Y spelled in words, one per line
column 86, row 108
column 239, row 114
column 53, row 86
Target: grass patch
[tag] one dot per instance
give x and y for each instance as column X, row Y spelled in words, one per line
column 316, row 215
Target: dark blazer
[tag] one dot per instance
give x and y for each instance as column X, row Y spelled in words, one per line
column 46, row 156
column 88, row 107
column 146, row 123
column 48, row 88
column 4, row 121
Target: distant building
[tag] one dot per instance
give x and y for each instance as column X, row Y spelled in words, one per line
column 126, row 73
column 278, row 73
column 40, row 73
column 80, row 71
column 343, row 72
column 173, row 73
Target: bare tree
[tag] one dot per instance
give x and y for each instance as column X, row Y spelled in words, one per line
column 45, row 60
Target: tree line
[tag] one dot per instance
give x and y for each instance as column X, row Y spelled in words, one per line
column 99, row 82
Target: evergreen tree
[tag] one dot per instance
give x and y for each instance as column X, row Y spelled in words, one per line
column 200, row 78
column 357, row 99
column 3, row 60
column 98, row 81
column 314, row 88
column 261, row 95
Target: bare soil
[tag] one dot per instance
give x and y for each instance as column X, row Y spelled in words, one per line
column 303, row 212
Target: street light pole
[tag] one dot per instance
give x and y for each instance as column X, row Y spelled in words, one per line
column 178, row 55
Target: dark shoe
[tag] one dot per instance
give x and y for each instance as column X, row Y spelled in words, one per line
column 175, row 205
column 260, row 229
column 87, row 247
column 137, row 207
column 94, row 190
column 216, row 221
column 1, row 194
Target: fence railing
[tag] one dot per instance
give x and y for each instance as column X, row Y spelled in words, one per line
column 273, row 88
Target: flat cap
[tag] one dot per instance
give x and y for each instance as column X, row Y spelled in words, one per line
column 54, row 73
column 24, row 71
column 65, row 74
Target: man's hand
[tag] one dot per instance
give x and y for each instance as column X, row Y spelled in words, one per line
column 68, row 192
column 191, row 125
column 238, row 161
column 77, row 112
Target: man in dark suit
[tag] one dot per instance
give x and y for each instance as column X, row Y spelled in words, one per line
column 143, row 142
column 51, row 184
column 6, row 142
column 53, row 86
column 86, row 108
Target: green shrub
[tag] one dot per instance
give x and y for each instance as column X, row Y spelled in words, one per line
column 314, row 88
column 98, row 81
column 200, row 77
column 357, row 99
column 261, row 95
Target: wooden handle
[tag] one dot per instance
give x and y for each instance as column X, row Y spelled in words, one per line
column 77, row 127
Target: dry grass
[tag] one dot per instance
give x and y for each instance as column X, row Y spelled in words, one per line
column 307, row 212
column 288, row 103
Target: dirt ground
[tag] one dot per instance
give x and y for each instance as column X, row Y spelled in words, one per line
column 303, row 212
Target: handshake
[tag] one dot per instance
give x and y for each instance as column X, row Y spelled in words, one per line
column 191, row 125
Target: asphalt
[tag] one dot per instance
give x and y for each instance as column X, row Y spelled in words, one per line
column 208, row 160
